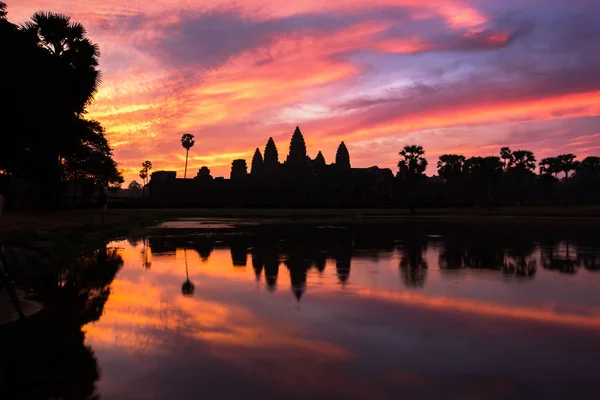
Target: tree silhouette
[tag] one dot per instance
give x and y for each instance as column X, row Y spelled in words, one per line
column 146, row 167
column 342, row 157
column 550, row 166
column 412, row 164
column 66, row 41
column 590, row 166
column 450, row 166
column 485, row 173
column 271, row 158
column 297, row 154
column 187, row 142
column 50, row 68
column 257, row 163
column 506, row 156
column 413, row 266
column 135, row 188
column 523, row 160
column 143, row 175
column 134, row 185
column 567, row 163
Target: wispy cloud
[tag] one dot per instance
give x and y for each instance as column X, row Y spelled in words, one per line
column 453, row 75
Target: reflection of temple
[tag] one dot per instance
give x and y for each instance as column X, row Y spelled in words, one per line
column 297, row 180
column 298, row 249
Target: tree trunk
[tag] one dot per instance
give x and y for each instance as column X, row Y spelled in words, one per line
column 186, row 160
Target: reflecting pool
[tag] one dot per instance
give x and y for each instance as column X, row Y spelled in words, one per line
column 406, row 310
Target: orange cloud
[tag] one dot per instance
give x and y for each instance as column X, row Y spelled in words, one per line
column 292, row 75
column 487, row 309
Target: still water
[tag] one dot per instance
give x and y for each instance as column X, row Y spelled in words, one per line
column 379, row 310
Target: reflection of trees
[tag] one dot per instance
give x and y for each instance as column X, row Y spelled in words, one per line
column 561, row 257
column 413, row 266
column 590, row 260
column 452, row 255
column 87, row 282
column 146, row 253
column 48, row 358
column 520, row 260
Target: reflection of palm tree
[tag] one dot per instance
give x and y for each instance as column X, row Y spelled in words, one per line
column 589, row 260
column 519, row 259
column 146, row 263
column 413, row 266
column 521, row 266
column 555, row 260
column 187, row 289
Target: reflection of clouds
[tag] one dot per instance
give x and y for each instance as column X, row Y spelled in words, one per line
column 147, row 314
column 592, row 320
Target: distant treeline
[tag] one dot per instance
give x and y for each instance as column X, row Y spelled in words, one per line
column 507, row 179
column 49, row 75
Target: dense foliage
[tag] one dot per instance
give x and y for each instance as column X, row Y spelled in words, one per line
column 49, row 76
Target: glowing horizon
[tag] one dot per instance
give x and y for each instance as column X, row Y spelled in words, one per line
column 460, row 76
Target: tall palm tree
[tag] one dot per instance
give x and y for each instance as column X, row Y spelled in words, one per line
column 523, row 160
column 187, row 141
column 77, row 56
column 550, row 166
column 451, row 166
column 143, row 176
column 567, row 164
column 506, row 156
column 412, row 164
column 146, row 167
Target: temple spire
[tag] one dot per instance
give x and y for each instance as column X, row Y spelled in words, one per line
column 342, row 157
column 297, row 153
column 271, row 158
column 257, row 162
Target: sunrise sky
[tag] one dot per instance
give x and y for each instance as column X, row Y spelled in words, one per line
column 454, row 76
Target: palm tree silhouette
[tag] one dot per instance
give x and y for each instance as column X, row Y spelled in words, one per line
column 187, row 141
column 66, row 40
column 187, row 289
column 412, row 163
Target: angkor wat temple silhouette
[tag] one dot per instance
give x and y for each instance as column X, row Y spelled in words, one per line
column 299, row 180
